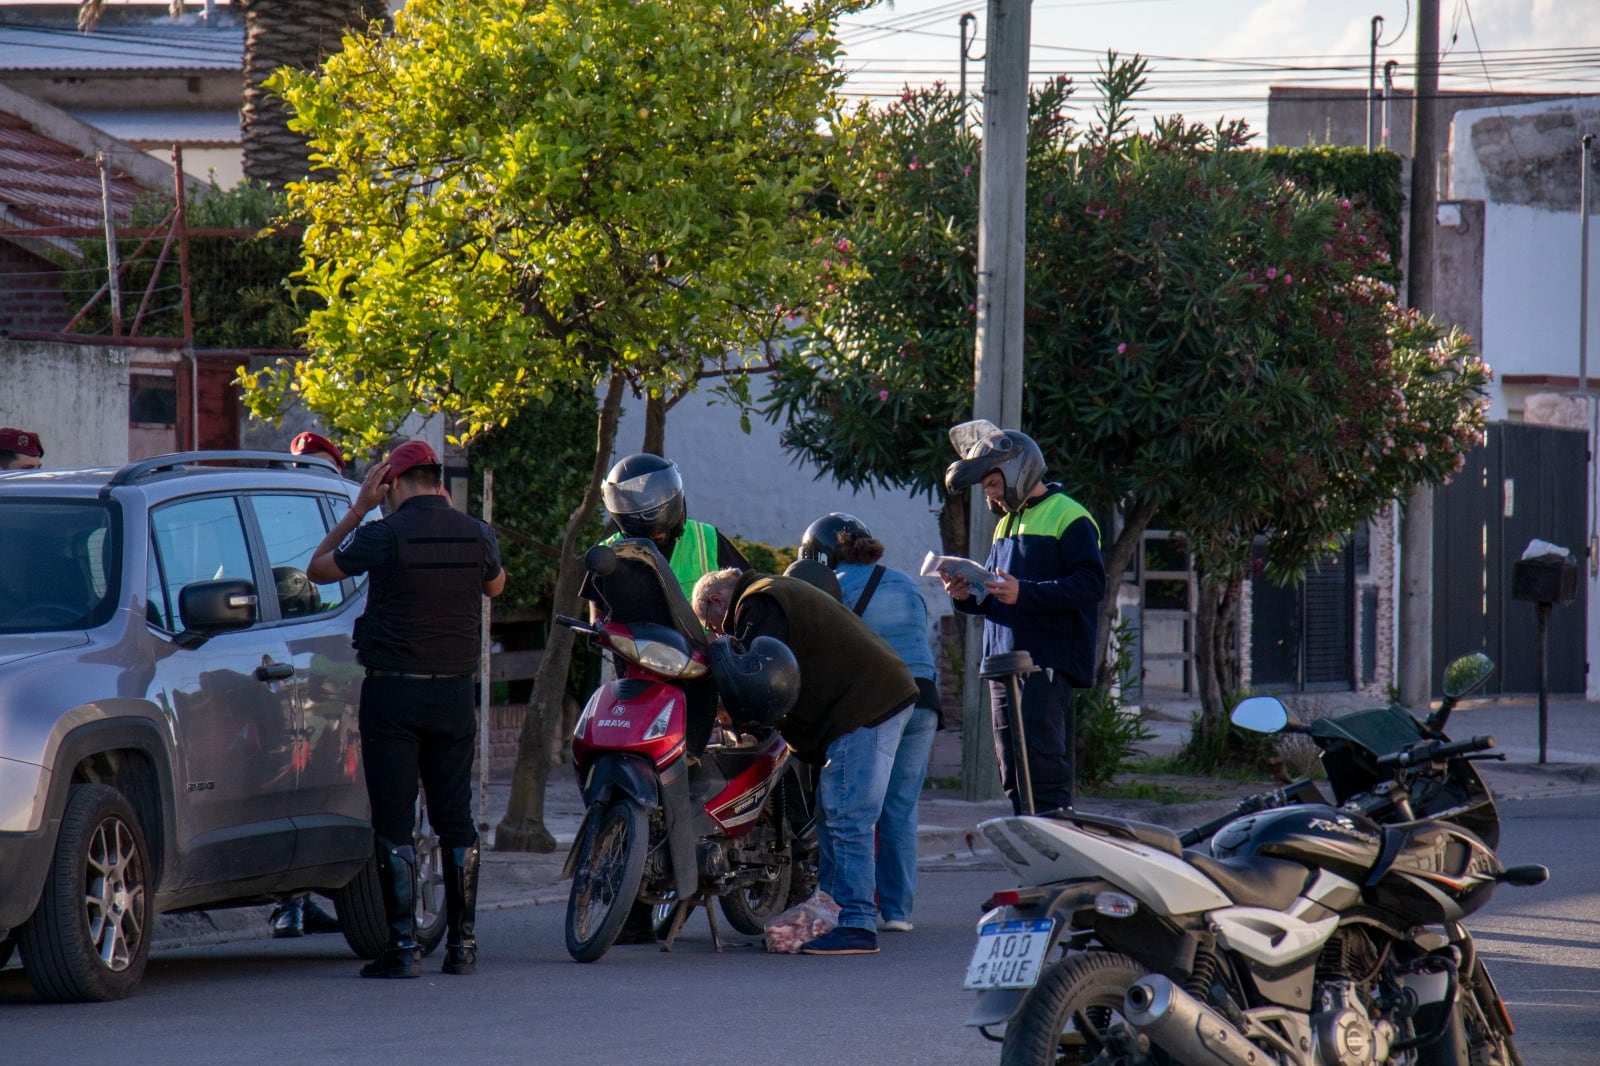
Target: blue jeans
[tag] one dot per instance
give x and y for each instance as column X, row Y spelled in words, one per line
column 849, row 800
column 897, row 826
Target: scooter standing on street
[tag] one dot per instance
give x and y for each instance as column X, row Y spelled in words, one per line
column 681, row 808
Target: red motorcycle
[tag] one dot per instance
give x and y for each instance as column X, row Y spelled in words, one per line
column 681, row 807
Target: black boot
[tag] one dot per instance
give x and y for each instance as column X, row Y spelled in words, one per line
column 288, row 918
column 460, row 908
column 397, row 874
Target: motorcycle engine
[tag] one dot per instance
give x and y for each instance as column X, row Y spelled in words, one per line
column 1343, row 1033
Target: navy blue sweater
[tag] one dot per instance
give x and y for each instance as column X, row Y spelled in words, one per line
column 1053, row 550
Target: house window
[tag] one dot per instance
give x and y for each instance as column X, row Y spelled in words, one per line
column 152, row 400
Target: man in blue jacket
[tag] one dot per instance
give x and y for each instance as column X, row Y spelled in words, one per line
column 1044, row 600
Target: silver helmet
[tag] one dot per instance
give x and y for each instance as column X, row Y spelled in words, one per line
column 984, row 446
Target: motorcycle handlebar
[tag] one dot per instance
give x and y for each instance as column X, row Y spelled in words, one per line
column 574, row 623
column 1433, row 751
column 1264, row 801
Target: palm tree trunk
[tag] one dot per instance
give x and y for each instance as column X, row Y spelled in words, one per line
column 523, row 828
column 288, row 33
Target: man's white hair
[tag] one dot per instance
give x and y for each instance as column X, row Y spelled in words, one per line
column 715, row 583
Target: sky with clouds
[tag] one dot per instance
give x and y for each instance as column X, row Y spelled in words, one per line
column 1214, row 58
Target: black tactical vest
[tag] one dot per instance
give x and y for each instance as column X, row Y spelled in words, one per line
column 425, row 605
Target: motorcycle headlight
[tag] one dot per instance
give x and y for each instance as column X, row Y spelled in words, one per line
column 658, row 727
column 657, row 657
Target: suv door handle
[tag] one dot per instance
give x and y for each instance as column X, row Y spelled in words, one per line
column 274, row 671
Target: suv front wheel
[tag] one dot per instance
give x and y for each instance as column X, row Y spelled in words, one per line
column 89, row 937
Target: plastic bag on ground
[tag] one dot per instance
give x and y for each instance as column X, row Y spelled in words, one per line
column 803, row 922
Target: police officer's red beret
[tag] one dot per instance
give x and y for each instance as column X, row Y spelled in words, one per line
column 409, row 456
column 21, row 442
column 315, row 442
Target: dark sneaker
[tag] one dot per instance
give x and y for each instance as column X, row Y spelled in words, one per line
column 845, row 940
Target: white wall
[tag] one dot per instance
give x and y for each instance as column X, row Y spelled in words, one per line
column 75, row 396
column 746, row 485
column 1530, row 294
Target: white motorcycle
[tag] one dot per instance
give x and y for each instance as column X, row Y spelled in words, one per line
column 1308, row 934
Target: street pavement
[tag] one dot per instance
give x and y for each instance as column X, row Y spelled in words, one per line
column 948, row 822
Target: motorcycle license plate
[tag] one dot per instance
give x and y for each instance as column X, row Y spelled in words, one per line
column 1009, row 954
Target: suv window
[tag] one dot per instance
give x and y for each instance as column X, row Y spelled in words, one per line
column 57, row 566
column 199, row 540
column 291, row 529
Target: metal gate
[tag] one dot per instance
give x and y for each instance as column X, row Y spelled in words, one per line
column 1524, row 482
column 1303, row 635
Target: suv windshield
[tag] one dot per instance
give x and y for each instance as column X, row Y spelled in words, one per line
column 59, row 567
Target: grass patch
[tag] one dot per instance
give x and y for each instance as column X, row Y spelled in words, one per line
column 951, row 783
column 1178, row 766
column 1149, row 790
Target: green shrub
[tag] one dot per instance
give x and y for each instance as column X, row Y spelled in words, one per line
column 1221, row 747
column 764, row 557
column 1107, row 736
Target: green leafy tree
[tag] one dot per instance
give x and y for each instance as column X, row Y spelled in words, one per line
column 1203, row 338
column 521, row 197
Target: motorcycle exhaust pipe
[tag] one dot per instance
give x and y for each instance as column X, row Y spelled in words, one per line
column 1186, row 1029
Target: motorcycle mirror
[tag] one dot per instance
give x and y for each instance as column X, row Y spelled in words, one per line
column 600, row 560
column 1261, row 714
column 1467, row 674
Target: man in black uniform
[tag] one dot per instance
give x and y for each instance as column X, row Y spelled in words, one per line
column 419, row 640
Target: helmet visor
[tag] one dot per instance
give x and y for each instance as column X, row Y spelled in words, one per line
column 982, row 446
column 646, row 496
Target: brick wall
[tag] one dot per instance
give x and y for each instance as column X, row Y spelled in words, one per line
column 30, row 292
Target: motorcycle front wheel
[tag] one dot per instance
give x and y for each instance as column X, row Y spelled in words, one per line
column 605, row 881
column 1065, row 1016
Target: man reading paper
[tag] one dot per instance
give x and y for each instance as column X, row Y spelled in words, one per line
column 1044, row 599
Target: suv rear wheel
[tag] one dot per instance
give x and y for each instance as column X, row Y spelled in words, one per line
column 89, row 937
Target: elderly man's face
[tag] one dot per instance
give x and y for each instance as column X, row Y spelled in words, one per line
column 712, row 611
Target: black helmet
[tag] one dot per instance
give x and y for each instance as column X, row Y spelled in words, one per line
column 757, row 685
column 818, row 574
column 984, row 446
column 823, row 537
column 644, row 496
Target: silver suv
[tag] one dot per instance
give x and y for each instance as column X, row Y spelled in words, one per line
column 177, row 710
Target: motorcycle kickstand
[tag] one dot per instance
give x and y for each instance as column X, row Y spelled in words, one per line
column 675, row 926
column 711, row 916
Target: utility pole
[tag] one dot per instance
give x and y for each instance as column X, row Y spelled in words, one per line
column 997, row 362
column 1415, row 635
column 1372, row 76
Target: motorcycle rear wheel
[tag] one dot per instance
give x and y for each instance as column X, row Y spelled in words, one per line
column 750, row 908
column 608, row 870
column 1062, row 1016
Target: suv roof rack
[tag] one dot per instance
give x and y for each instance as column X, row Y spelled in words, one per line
column 162, row 464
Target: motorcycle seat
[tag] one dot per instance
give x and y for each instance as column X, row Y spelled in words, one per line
column 1253, row 882
column 1156, row 836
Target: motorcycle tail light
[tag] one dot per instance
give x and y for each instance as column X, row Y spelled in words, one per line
column 1116, row 905
column 1008, row 898
column 663, row 721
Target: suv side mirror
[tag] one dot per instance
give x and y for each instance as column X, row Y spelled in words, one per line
column 211, row 607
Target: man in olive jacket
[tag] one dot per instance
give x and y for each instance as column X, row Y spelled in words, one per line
column 855, row 698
